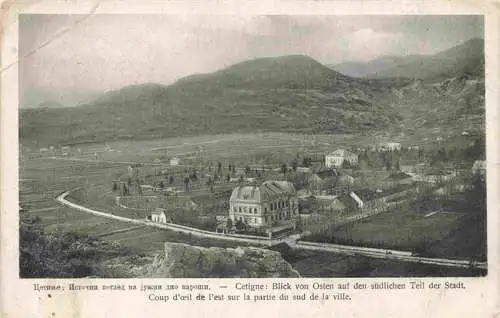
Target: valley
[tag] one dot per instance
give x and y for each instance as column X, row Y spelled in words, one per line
column 406, row 136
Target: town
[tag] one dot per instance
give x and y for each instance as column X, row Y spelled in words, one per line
column 330, row 197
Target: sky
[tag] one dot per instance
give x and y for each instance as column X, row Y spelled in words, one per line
column 71, row 59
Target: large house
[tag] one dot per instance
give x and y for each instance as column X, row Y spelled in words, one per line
column 337, row 158
column 329, row 180
column 270, row 204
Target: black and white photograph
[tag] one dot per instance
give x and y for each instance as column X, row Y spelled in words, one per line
column 252, row 146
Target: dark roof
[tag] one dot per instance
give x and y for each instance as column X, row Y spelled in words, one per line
column 327, row 173
column 397, row 176
column 263, row 192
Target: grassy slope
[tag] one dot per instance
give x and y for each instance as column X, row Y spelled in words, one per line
column 465, row 58
column 283, row 94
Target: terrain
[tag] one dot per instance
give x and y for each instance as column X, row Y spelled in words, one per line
column 287, row 94
column 68, row 254
column 467, row 58
column 263, row 111
column 283, row 94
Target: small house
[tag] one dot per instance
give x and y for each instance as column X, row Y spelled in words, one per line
column 479, row 167
column 159, row 216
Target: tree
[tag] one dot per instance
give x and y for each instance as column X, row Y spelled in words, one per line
column 346, row 164
column 194, row 176
column 294, row 164
column 229, row 225
column 247, row 170
column 397, row 167
column 240, row 225
column 306, row 161
column 186, row 183
column 115, row 186
column 210, row 184
column 124, row 190
column 228, row 177
column 219, row 167
column 284, row 168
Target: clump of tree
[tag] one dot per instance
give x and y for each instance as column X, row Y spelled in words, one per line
column 63, row 254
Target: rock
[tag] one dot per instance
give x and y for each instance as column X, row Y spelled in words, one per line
column 187, row 261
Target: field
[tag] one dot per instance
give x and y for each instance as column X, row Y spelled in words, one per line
column 44, row 175
column 450, row 235
column 399, row 229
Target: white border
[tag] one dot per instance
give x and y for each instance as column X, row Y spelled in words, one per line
column 17, row 298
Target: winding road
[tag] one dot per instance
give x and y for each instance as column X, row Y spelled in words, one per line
column 293, row 240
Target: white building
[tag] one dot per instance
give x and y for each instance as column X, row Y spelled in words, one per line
column 336, row 158
column 159, row 216
column 174, row 161
column 479, row 167
column 134, row 170
column 273, row 203
column 390, row 146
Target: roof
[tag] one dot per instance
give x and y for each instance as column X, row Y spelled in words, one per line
column 158, row 211
column 479, row 164
column 341, row 153
column 397, row 176
column 327, row 173
column 264, row 192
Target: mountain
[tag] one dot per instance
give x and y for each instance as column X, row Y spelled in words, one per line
column 291, row 93
column 50, row 104
column 467, row 58
column 292, row 71
column 281, row 94
column 464, row 58
column 362, row 69
column 453, row 104
column 35, row 97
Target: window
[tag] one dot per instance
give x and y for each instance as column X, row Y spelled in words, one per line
column 255, row 210
column 265, row 210
column 239, row 209
column 234, row 209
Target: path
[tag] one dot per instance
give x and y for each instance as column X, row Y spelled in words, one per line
column 291, row 240
column 170, row 226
